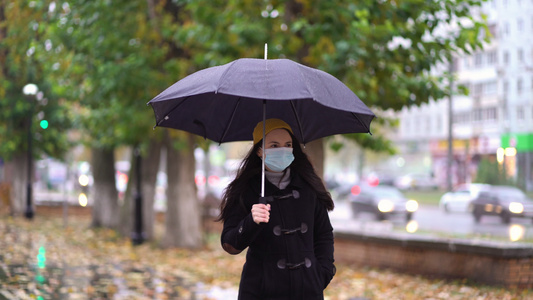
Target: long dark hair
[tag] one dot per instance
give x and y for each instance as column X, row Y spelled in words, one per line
column 251, row 167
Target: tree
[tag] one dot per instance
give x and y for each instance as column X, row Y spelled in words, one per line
column 383, row 50
column 120, row 54
column 109, row 56
column 109, row 62
column 23, row 51
column 491, row 172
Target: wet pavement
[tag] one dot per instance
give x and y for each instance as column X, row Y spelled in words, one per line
column 35, row 267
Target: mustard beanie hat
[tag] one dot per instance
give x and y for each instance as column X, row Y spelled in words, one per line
column 271, row 124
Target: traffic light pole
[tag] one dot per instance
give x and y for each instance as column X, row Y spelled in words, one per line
column 29, row 189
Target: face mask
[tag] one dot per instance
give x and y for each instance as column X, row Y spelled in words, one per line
column 278, row 159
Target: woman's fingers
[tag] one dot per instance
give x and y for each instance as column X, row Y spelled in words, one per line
column 261, row 213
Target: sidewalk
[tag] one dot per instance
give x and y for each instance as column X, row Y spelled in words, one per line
column 34, row 266
column 41, row 259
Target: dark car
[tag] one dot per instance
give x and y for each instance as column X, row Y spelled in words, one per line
column 504, row 201
column 383, row 202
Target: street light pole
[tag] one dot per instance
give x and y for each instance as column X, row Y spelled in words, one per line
column 449, row 165
column 138, row 234
column 30, row 90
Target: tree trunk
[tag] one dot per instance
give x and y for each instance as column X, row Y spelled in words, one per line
column 104, row 191
column 16, row 174
column 127, row 205
column 183, row 216
column 149, row 169
column 315, row 151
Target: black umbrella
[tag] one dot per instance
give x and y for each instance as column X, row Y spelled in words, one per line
column 225, row 103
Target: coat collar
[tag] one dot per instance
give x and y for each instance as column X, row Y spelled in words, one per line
column 297, row 183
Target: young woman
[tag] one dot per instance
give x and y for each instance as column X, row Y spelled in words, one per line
column 288, row 232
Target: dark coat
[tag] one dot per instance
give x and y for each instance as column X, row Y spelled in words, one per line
column 291, row 256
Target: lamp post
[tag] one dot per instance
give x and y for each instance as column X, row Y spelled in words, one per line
column 449, row 165
column 30, row 90
column 138, row 234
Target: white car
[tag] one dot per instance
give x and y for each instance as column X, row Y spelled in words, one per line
column 416, row 182
column 460, row 198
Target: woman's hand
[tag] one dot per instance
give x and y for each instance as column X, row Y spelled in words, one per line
column 261, row 213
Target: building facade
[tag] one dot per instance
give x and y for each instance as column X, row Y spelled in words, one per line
column 496, row 119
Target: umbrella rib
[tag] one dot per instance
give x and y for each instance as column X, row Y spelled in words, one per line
column 173, row 109
column 297, row 120
column 362, row 123
column 230, row 121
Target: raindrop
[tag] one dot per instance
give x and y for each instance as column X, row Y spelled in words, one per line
column 52, row 7
column 284, row 27
column 274, row 13
column 264, row 14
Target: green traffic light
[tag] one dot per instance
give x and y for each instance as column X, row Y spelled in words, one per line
column 41, row 258
column 44, row 124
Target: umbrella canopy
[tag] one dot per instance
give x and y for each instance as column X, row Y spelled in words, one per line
column 225, row 103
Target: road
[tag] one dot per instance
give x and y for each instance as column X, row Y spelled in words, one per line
column 429, row 219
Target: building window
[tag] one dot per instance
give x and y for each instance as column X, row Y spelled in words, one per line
column 490, row 114
column 491, row 87
column 478, row 60
column 506, row 57
column 520, row 113
column 492, row 58
column 505, row 88
column 493, row 30
column 520, row 24
column 519, row 86
column 520, row 53
column 507, row 29
column 476, row 115
column 478, row 90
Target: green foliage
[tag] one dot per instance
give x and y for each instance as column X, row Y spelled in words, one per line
column 489, row 171
column 109, row 58
column 98, row 62
column 23, row 48
column 383, row 50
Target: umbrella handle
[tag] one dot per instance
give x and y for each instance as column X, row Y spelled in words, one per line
column 263, row 152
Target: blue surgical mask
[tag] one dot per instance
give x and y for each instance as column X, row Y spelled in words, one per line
column 278, row 159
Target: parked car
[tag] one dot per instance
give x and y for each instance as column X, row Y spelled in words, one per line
column 460, row 198
column 383, row 202
column 416, row 182
column 504, row 201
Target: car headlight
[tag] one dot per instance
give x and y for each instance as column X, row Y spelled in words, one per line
column 516, row 207
column 385, row 206
column 411, row 206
